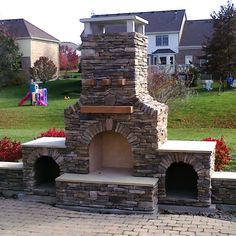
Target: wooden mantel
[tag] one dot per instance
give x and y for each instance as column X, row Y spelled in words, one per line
column 107, row 109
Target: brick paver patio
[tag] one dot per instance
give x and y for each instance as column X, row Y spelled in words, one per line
column 28, row 218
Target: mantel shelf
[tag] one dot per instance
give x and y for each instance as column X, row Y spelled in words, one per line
column 107, row 109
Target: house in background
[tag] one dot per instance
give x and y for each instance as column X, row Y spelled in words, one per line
column 195, row 33
column 33, row 42
column 173, row 41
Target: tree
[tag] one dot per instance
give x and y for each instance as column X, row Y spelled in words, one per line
column 63, row 61
column 220, row 50
column 9, row 53
column 164, row 87
column 72, row 59
column 43, row 70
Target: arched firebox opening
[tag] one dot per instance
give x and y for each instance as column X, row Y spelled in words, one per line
column 46, row 171
column 181, row 181
column 110, row 149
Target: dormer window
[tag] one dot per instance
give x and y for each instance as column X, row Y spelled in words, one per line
column 162, row 40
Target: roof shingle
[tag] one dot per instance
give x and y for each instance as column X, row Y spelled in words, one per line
column 159, row 21
column 21, row 28
column 196, row 32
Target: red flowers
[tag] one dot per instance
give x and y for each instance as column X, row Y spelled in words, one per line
column 222, row 155
column 10, row 150
column 52, row 132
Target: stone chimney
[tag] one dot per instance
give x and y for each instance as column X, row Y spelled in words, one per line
column 114, row 95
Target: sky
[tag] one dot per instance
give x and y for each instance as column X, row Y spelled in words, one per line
column 61, row 18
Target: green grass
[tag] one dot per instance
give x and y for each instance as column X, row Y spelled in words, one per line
column 209, row 114
column 25, row 122
column 207, row 110
column 206, row 115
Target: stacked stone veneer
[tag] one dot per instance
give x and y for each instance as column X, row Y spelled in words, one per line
column 32, row 154
column 224, row 188
column 11, row 178
column 203, row 165
column 107, row 197
column 115, row 74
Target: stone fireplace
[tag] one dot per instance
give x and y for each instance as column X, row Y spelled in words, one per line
column 116, row 123
column 116, row 156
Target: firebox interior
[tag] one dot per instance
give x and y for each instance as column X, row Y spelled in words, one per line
column 108, row 150
column 181, row 181
column 46, row 171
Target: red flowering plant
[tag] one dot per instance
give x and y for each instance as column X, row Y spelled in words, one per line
column 52, row 132
column 222, row 154
column 10, row 150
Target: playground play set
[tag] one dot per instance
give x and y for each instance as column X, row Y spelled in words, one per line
column 37, row 96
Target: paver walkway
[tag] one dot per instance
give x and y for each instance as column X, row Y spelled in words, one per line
column 27, row 218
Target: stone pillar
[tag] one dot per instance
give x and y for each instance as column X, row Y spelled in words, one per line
column 113, row 64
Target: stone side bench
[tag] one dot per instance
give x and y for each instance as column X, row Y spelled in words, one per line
column 107, row 191
column 200, row 156
column 11, row 178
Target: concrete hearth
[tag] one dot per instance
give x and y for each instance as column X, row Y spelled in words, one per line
column 108, row 190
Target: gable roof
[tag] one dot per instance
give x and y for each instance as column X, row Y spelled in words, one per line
column 159, row 21
column 20, row 28
column 164, row 50
column 196, row 32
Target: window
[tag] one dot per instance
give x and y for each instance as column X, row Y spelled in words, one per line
column 163, row 60
column 188, row 59
column 162, row 40
column 171, row 60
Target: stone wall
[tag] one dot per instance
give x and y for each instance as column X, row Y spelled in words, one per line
column 224, row 188
column 115, row 74
column 11, row 178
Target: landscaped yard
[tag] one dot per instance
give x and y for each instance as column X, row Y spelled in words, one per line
column 25, row 122
column 198, row 117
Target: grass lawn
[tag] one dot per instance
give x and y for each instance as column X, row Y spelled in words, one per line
column 25, row 122
column 208, row 114
column 198, row 117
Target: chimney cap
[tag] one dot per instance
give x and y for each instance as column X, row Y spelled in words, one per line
column 109, row 20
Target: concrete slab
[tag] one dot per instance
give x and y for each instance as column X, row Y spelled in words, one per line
column 187, row 146
column 223, row 175
column 49, row 142
column 11, row 165
column 109, row 176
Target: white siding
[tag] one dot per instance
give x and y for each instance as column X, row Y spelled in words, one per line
column 173, row 42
